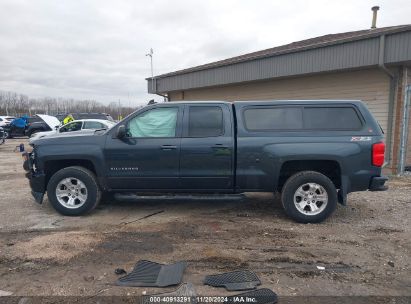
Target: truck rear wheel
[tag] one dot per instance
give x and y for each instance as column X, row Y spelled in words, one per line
column 73, row 191
column 309, row 197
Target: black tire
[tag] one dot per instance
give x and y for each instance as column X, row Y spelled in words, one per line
column 300, row 179
column 87, row 178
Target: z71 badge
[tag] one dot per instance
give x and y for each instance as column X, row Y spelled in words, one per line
column 360, row 138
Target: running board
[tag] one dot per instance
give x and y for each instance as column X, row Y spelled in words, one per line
column 179, row 197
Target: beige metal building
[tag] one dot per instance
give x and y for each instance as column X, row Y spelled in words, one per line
column 370, row 65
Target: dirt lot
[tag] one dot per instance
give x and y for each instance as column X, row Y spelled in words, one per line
column 365, row 247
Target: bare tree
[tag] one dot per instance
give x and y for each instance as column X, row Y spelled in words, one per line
column 15, row 104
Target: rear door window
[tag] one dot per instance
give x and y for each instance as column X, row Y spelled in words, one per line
column 273, row 118
column 331, row 118
column 205, row 121
column 93, row 125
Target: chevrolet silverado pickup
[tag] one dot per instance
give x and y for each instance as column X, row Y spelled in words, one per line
column 313, row 152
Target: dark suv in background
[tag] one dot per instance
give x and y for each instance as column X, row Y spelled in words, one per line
column 36, row 124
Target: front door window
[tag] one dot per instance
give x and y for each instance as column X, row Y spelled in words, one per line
column 159, row 122
column 70, row 127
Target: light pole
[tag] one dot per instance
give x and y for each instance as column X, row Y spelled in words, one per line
column 119, row 110
column 150, row 54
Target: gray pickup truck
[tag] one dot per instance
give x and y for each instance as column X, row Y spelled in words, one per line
column 313, row 152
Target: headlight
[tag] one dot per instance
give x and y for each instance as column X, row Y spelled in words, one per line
column 33, row 157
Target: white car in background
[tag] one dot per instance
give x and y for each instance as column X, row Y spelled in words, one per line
column 5, row 120
column 80, row 126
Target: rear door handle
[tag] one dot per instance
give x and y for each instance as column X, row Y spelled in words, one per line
column 168, row 147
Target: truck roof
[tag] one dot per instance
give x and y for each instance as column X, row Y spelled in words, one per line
column 298, row 101
column 272, row 102
column 195, row 102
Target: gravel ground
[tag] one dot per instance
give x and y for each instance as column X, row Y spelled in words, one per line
column 365, row 247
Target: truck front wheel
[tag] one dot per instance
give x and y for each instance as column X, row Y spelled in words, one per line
column 73, row 191
column 309, row 197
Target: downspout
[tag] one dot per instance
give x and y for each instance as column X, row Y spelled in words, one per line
column 381, row 65
column 164, row 96
column 154, row 86
column 404, row 130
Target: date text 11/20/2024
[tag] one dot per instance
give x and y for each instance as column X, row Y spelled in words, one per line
column 202, row 299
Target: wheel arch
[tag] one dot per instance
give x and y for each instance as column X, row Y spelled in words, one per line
column 52, row 166
column 328, row 167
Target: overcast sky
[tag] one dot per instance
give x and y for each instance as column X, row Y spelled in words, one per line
column 95, row 49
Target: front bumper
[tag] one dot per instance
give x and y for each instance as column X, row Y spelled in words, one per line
column 378, row 183
column 37, row 180
column 2, row 137
column 37, row 184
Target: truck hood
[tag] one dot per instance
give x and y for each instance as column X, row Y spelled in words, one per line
column 70, row 139
column 51, row 121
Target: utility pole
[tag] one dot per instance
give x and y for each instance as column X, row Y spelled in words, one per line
column 150, row 54
column 130, row 107
column 119, row 110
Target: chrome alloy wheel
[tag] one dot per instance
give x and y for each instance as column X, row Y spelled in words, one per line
column 71, row 193
column 310, row 199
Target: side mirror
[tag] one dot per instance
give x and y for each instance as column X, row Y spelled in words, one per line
column 121, row 132
column 56, row 127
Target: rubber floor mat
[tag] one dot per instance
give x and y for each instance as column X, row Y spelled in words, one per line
column 150, row 274
column 236, row 280
column 259, row 296
column 185, row 290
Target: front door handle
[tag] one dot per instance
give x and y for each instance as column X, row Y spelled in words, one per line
column 220, row 146
column 168, row 147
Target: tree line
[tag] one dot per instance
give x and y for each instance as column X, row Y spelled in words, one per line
column 15, row 104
